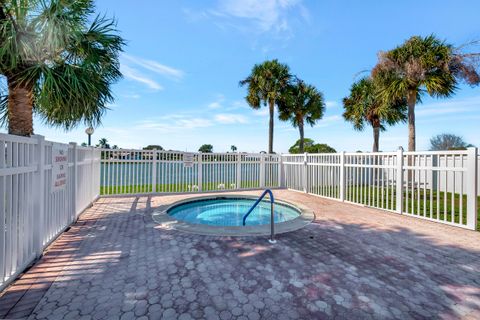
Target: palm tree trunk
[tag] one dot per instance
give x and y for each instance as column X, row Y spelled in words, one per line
column 302, row 136
column 376, row 138
column 20, row 108
column 270, row 125
column 411, row 101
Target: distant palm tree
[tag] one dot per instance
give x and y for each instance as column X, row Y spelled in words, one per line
column 58, row 63
column 363, row 105
column 233, row 148
column 266, row 83
column 301, row 103
column 103, row 143
column 423, row 65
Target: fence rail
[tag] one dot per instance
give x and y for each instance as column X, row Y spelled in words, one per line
column 33, row 212
column 44, row 186
column 438, row 186
column 153, row 171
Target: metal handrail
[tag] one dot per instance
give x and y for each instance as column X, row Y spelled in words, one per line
column 272, row 200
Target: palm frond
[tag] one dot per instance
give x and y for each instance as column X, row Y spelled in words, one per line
column 423, row 65
column 70, row 62
column 266, row 82
column 366, row 105
column 301, row 102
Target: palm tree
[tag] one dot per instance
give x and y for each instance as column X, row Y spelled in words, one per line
column 423, row 65
column 103, row 143
column 266, row 83
column 56, row 63
column 233, row 148
column 301, row 103
column 363, row 106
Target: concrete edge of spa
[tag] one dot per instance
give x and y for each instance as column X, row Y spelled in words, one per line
column 161, row 217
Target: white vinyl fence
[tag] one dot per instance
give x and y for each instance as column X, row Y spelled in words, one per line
column 153, row 171
column 44, row 186
column 438, row 186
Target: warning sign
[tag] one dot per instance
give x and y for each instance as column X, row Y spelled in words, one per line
column 59, row 166
column 188, row 160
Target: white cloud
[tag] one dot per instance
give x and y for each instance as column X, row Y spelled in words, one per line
column 214, row 105
column 261, row 112
column 180, row 122
column 230, row 118
column 332, row 104
column 155, row 66
column 131, row 96
column 454, row 106
column 429, row 112
column 194, row 123
column 268, row 15
column 218, row 103
column 238, row 104
column 227, row 105
column 174, row 123
column 329, row 120
column 194, row 15
column 135, row 75
column 256, row 17
column 286, row 128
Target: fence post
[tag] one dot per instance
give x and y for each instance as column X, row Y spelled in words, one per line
column 281, row 181
column 472, row 171
column 200, row 172
column 399, row 181
column 95, row 179
column 239, row 171
column 435, row 163
column 342, row 176
column 154, row 170
column 262, row 170
column 305, row 175
column 39, row 217
column 74, row 180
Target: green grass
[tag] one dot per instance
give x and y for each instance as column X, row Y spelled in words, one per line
column 435, row 205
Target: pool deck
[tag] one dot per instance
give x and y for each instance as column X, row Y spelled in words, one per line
column 350, row 263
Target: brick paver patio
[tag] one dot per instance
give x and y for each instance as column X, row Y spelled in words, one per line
column 350, row 263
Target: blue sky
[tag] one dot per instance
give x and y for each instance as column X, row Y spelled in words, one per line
column 184, row 59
